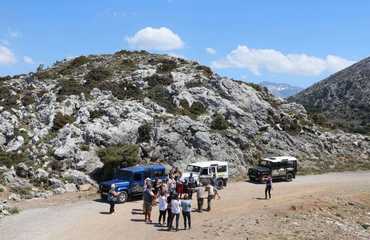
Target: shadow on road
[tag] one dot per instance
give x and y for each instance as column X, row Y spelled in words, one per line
column 105, row 213
column 137, row 220
column 259, row 198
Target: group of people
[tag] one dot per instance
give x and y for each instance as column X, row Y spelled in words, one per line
column 174, row 197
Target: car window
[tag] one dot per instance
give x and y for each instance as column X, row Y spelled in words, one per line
column 221, row 169
column 204, row 171
column 137, row 177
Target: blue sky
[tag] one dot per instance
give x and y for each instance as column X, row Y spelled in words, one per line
column 296, row 42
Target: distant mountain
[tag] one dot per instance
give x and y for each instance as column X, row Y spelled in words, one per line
column 283, row 90
column 343, row 99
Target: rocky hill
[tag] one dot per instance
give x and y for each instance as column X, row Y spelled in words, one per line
column 74, row 122
column 342, row 100
column 283, row 90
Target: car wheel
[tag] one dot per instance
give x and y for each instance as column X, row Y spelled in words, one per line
column 289, row 177
column 219, row 183
column 122, row 197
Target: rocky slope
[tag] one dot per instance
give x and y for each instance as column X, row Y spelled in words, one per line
column 60, row 125
column 283, row 90
column 342, row 99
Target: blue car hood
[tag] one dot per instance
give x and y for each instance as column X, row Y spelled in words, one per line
column 118, row 182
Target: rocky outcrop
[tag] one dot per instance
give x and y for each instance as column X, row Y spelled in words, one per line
column 342, row 100
column 137, row 107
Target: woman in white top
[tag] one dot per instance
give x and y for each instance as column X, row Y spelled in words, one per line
column 162, row 206
column 175, row 210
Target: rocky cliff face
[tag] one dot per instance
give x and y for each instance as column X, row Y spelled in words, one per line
column 60, row 125
column 342, row 99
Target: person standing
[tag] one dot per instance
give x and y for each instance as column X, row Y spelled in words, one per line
column 148, row 197
column 169, row 213
column 179, row 187
column 268, row 187
column 200, row 197
column 175, row 212
column 112, row 198
column 162, row 207
column 212, row 192
column 191, row 185
column 186, row 212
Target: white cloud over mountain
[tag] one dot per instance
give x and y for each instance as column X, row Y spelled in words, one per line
column 7, row 57
column 211, row 51
column 162, row 39
column 274, row 61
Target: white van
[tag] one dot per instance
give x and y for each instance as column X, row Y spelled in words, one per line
column 203, row 172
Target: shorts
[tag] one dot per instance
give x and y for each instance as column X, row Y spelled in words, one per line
column 147, row 207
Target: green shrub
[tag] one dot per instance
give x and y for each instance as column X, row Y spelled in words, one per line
column 61, row 120
column 27, row 99
column 194, row 111
column 97, row 75
column 163, row 79
column 116, row 156
column 193, row 84
column 7, row 100
column 206, row 70
column 24, row 192
column 127, row 65
column 9, row 159
column 5, row 78
column 162, row 97
column 167, row 65
column 79, row 61
column 84, row 147
column 70, row 87
column 2, row 189
column 46, row 74
column 219, row 122
column 97, row 114
column 144, row 132
column 126, row 90
column 56, row 165
column 14, row 210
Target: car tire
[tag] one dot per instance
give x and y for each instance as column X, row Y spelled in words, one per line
column 219, row 183
column 289, row 177
column 122, row 197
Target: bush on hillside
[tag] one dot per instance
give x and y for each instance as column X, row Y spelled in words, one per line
column 125, row 90
column 97, row 75
column 10, row 159
column 144, row 132
column 166, row 66
column 194, row 111
column 61, row 120
column 163, row 79
column 219, row 122
column 162, row 97
column 70, row 87
column 116, row 156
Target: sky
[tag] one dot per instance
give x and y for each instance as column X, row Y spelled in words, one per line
column 294, row 42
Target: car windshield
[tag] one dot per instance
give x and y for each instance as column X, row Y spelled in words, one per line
column 191, row 168
column 264, row 163
column 124, row 175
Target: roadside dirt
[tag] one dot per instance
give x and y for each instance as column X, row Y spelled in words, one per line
column 329, row 206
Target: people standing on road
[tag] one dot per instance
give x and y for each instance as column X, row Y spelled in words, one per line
column 148, row 197
column 171, row 184
column 186, row 212
column 212, row 193
column 191, row 186
column 162, row 207
column 175, row 212
column 268, row 187
column 179, row 187
column 112, row 198
column 169, row 214
column 200, row 197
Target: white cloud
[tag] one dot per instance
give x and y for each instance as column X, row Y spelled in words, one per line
column 6, row 56
column 28, row 60
column 162, row 39
column 211, row 51
column 257, row 60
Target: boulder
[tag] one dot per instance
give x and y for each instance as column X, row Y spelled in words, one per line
column 84, row 187
column 70, row 187
column 15, row 144
column 22, row 170
column 77, row 177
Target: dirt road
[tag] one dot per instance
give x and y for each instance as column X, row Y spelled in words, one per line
column 329, row 206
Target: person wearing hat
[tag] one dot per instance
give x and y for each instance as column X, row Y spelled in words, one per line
column 112, row 197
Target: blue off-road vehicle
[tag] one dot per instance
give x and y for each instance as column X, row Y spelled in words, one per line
column 129, row 181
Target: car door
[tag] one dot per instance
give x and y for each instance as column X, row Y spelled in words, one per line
column 275, row 169
column 137, row 185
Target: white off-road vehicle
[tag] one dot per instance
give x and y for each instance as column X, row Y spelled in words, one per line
column 204, row 172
